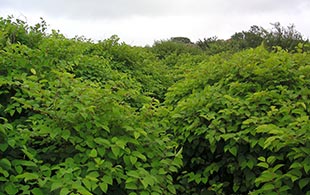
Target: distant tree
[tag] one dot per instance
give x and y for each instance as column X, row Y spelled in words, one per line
column 213, row 45
column 181, row 40
column 174, row 45
column 249, row 39
column 287, row 38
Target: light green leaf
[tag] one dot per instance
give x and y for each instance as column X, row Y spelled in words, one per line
column 3, row 147
column 64, row 191
column 133, row 159
column 171, row 188
column 116, row 151
column 28, row 176
column 131, row 186
column 10, row 189
column 268, row 187
column 103, row 186
column 93, row 153
column 33, row 71
column 107, row 179
column 263, row 164
column 55, row 185
column 303, row 182
column 5, row 163
column 233, row 150
column 37, row 191
column 65, row 134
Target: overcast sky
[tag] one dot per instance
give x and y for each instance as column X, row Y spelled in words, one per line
column 140, row 22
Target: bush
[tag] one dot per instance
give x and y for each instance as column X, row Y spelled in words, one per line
column 62, row 131
column 243, row 124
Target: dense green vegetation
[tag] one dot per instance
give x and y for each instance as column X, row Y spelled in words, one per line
column 212, row 117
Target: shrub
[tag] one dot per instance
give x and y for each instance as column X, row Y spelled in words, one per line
column 243, row 124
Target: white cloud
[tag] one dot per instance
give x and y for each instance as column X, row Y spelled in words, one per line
column 140, row 22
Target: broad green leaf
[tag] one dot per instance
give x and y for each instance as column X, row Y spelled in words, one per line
column 103, row 186
column 93, row 153
column 5, row 163
column 28, row 176
column 263, row 164
column 37, row 191
column 303, row 182
column 87, row 183
column 271, row 159
column 131, row 186
column 19, row 169
column 134, row 174
column 133, row 159
column 64, row 191
column 56, row 185
column 107, row 179
column 10, row 189
column 24, row 163
column 233, row 150
column 33, row 71
column 116, row 151
column 139, row 155
column 268, row 187
column 236, row 187
column 3, row 147
column 261, row 158
column 171, row 188
column 136, row 134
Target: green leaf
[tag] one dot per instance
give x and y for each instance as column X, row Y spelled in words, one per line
column 19, row 169
column 37, row 191
column 107, row 179
column 139, row 155
column 145, row 193
column 133, row 159
column 64, row 191
column 133, row 174
column 33, row 71
column 56, row 184
column 271, row 159
column 5, row 163
column 268, row 187
column 250, row 164
column 103, row 186
column 11, row 142
column 24, row 163
column 233, row 150
column 236, row 187
column 136, row 134
column 83, row 191
column 116, row 151
column 131, row 186
column 278, row 166
column 147, row 181
column 28, row 176
column 3, row 147
column 10, row 189
column 102, row 141
column 65, row 134
column 87, row 183
column 303, row 182
column 144, row 183
column 263, row 164
column 171, row 188
column 93, row 153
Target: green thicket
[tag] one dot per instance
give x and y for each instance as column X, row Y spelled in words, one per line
column 212, row 117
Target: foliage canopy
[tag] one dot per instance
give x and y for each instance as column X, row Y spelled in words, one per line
column 212, row 117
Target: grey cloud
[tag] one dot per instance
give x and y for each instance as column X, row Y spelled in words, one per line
column 101, row 9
